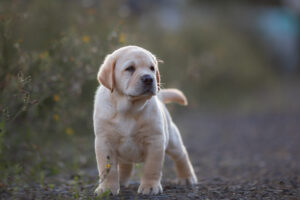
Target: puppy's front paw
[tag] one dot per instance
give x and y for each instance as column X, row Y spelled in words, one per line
column 191, row 180
column 102, row 188
column 150, row 188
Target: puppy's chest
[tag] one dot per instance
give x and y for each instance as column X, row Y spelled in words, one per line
column 130, row 146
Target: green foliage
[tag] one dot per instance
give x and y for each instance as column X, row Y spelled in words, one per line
column 138, row 168
column 104, row 195
column 48, row 65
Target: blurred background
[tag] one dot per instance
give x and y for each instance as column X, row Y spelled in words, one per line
column 234, row 60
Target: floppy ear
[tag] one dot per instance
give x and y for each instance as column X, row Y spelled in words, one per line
column 156, row 60
column 106, row 73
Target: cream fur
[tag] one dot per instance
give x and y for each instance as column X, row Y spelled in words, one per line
column 133, row 127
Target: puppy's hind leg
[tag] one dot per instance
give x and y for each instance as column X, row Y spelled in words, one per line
column 176, row 150
column 125, row 170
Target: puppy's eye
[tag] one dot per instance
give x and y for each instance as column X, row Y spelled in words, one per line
column 152, row 68
column 130, row 69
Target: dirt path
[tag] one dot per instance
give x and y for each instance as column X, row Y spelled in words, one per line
column 235, row 157
column 253, row 156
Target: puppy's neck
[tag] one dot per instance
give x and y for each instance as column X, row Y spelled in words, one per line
column 127, row 105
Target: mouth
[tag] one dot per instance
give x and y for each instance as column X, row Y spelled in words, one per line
column 146, row 93
column 149, row 91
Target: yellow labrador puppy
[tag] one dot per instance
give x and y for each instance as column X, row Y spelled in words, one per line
column 132, row 124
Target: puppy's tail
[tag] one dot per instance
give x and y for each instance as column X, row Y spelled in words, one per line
column 172, row 95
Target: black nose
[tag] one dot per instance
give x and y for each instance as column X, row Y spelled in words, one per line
column 147, row 79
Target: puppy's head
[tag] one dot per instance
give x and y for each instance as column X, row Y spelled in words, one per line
column 132, row 71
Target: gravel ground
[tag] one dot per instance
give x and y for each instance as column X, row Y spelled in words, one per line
column 236, row 156
column 216, row 188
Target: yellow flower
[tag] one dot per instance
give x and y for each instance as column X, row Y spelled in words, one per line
column 69, row 131
column 56, row 117
column 107, row 166
column 44, row 55
column 122, row 38
column 56, row 98
column 85, row 39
